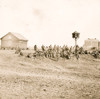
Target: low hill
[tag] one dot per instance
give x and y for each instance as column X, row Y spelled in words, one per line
column 42, row 78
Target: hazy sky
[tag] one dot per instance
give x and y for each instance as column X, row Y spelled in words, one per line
column 51, row 21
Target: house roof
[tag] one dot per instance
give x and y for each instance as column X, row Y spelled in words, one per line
column 17, row 35
column 92, row 39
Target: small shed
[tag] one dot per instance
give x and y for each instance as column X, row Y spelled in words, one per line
column 13, row 40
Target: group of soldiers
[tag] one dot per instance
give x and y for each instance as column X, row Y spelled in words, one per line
column 55, row 52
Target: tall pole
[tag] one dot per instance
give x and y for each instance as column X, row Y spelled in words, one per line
column 75, row 42
column 75, row 35
column 75, row 45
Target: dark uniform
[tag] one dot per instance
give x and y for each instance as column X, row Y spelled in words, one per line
column 77, row 52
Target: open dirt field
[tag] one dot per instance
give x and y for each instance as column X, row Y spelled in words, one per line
column 25, row 78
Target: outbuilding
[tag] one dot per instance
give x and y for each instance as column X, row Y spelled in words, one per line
column 13, row 40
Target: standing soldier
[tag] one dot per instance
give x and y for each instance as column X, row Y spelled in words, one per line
column 81, row 50
column 70, row 49
column 54, row 51
column 77, row 52
column 55, row 47
column 35, row 48
column 58, row 52
column 43, row 48
column 50, row 51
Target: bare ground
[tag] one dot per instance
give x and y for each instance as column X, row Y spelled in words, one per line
column 24, row 78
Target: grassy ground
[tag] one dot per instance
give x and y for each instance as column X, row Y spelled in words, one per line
column 24, row 78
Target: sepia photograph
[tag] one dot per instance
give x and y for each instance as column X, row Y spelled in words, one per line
column 49, row 49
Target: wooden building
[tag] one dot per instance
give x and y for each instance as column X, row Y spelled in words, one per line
column 13, row 40
column 91, row 43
